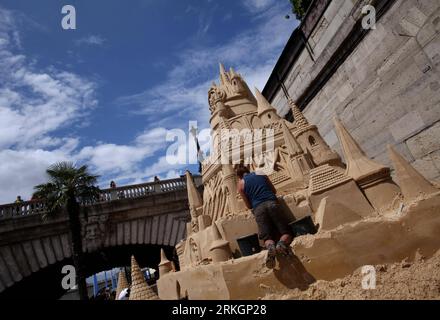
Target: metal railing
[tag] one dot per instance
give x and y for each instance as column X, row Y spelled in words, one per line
column 27, row 208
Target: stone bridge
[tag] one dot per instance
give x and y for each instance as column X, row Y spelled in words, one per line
column 137, row 219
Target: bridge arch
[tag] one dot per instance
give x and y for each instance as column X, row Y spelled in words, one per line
column 46, row 282
column 32, row 250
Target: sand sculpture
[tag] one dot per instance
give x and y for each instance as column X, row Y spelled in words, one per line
column 311, row 180
column 122, row 283
column 139, row 288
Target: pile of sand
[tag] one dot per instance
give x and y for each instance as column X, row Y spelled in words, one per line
column 407, row 281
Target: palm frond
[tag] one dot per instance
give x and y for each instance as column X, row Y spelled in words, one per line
column 51, row 196
column 67, row 181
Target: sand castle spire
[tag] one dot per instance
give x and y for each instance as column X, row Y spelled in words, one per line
column 359, row 166
column 224, row 79
column 263, row 104
column 194, row 197
column 298, row 117
column 139, row 287
column 373, row 178
column 292, row 145
column 232, row 72
column 122, row 283
column 411, row 182
column 266, row 112
column 165, row 265
column 195, row 201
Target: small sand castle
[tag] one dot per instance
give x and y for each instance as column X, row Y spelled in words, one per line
column 361, row 212
column 139, row 287
column 122, row 283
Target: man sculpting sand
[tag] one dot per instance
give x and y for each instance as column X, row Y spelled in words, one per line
column 259, row 194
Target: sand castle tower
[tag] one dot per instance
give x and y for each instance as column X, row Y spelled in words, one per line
column 165, row 265
column 372, row 177
column 195, row 201
column 298, row 163
column 219, row 249
column 411, row 182
column 311, row 140
column 231, row 98
column 266, row 112
column 122, row 283
column 139, row 287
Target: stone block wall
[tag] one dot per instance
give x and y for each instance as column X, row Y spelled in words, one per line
column 388, row 89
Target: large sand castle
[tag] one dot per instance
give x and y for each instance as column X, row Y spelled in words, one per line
column 363, row 216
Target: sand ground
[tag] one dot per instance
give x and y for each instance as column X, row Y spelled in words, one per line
column 419, row 280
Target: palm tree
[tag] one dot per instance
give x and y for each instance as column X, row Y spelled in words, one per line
column 67, row 188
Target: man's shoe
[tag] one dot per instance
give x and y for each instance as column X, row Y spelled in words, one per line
column 283, row 249
column 270, row 258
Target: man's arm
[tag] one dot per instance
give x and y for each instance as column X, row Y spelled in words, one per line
column 240, row 187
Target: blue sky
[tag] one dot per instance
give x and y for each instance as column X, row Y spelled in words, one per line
column 106, row 93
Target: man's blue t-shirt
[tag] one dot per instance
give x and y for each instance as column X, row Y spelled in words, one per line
column 257, row 189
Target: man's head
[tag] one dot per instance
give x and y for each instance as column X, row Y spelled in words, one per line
column 241, row 171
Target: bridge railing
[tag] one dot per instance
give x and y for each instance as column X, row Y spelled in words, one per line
column 27, row 208
column 141, row 190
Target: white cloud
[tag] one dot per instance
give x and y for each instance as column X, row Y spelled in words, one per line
column 184, row 94
column 94, row 40
column 257, row 5
column 20, row 170
column 34, row 104
column 123, row 159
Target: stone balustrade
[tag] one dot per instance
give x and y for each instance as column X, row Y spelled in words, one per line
column 27, row 208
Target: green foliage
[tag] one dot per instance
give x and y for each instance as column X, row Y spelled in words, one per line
column 67, row 185
column 299, row 7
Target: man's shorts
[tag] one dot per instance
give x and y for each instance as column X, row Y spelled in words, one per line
column 271, row 221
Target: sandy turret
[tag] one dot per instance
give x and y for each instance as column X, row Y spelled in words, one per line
column 195, row 201
column 165, row 265
column 122, row 283
column 219, row 249
column 139, row 287
column 372, row 177
column 231, row 96
column 224, row 76
column 266, row 112
column 311, row 140
column 299, row 119
column 411, row 182
column 291, row 143
column 194, row 197
column 359, row 166
column 298, row 164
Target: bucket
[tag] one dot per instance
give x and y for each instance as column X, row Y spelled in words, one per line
column 303, row 226
column 249, row 245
